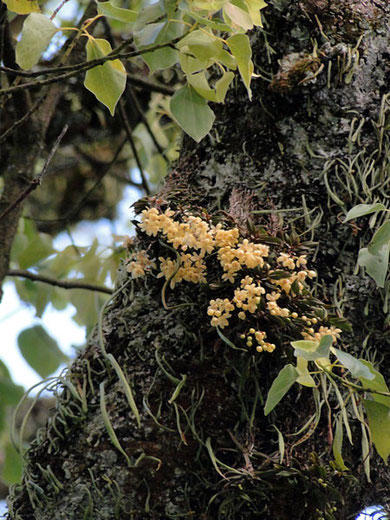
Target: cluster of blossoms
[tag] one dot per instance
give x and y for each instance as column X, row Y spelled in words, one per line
column 255, row 296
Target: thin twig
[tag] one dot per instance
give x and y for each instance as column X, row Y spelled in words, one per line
column 57, row 9
column 152, row 86
column 86, row 196
column 136, row 79
column 38, row 179
column 21, row 121
column 126, row 124
column 130, row 92
column 84, row 66
column 74, row 284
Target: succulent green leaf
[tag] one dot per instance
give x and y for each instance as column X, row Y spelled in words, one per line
column 354, row 365
column 376, row 264
column 363, row 209
column 304, row 378
column 379, row 423
column 37, row 33
column 108, row 81
column 22, row 6
column 240, row 47
column 312, row 350
column 338, row 444
column 192, row 112
column 380, row 238
column 376, row 383
column 281, row 385
column 40, row 350
column 116, row 13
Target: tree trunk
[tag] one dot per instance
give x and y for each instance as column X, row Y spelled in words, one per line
column 312, row 142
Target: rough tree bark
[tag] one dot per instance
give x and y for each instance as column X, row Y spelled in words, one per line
column 315, row 140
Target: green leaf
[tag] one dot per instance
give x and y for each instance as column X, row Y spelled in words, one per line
column 166, row 57
column 87, row 305
column 376, row 383
column 312, row 350
column 222, row 86
column 116, row 13
column 108, row 81
column 337, row 446
column 148, row 34
column 202, row 45
column 12, row 468
column 281, row 385
column 363, row 209
column 199, row 82
column 254, row 7
column 37, row 32
column 10, row 393
column 354, row 365
column 40, row 350
column 22, row 6
column 376, row 264
column 241, row 49
column 304, row 378
column 192, row 112
column 215, row 23
column 38, row 248
column 239, row 17
column 380, row 238
column 149, row 14
column 207, row 5
column 341, row 323
column 379, row 423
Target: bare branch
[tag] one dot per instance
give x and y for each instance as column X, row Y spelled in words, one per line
column 68, row 284
column 38, row 179
column 84, row 66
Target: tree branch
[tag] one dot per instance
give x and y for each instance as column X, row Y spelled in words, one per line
column 74, row 284
column 37, row 180
column 84, row 66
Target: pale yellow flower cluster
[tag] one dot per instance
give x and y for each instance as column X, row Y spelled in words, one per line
column 220, row 310
column 248, row 297
column 274, row 308
column 299, row 277
column 139, row 263
column 259, row 337
column 246, row 254
column 193, row 238
column 193, row 232
column 191, row 269
column 311, row 335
